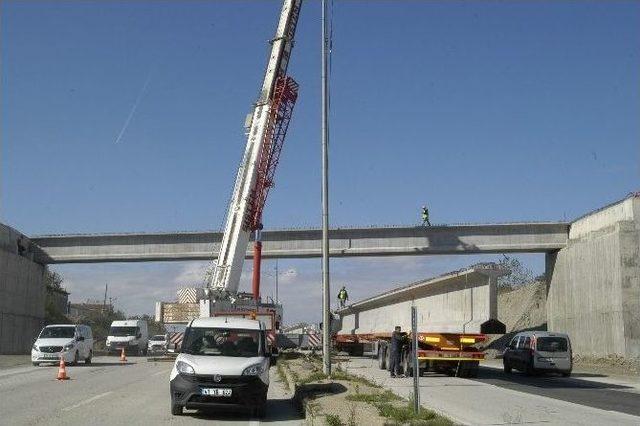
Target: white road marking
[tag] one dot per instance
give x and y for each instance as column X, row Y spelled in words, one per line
column 87, row 401
column 161, row 372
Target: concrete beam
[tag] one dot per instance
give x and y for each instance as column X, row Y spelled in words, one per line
column 306, row 243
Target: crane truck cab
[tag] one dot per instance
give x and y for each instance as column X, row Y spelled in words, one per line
column 223, row 363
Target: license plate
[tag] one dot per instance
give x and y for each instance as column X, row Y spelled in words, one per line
column 215, row 392
column 50, row 356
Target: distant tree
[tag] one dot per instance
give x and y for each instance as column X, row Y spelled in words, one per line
column 518, row 273
column 154, row 327
column 53, row 286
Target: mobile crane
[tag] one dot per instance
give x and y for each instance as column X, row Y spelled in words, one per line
column 266, row 130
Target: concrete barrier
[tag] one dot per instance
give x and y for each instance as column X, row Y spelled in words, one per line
column 594, row 283
column 458, row 302
column 22, row 293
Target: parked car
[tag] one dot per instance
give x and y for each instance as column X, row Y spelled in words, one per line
column 223, row 363
column 539, row 351
column 69, row 341
column 132, row 335
column 157, row 344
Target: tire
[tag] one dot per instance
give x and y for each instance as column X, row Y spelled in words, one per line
column 260, row 411
column 88, row 360
column 76, row 358
column 472, row 370
column 529, row 370
column 176, row 409
column 387, row 358
column 507, row 366
column 566, row 374
column 382, row 358
column 35, row 364
column 407, row 368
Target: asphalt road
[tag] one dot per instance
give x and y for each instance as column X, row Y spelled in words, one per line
column 107, row 393
column 581, row 388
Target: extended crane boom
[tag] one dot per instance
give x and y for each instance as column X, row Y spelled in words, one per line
column 268, row 125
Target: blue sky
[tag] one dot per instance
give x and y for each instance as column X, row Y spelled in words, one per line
column 487, row 111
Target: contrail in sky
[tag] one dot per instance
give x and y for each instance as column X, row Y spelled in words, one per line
column 134, row 108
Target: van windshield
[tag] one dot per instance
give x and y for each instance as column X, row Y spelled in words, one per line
column 223, row 342
column 551, row 344
column 124, row 331
column 58, row 333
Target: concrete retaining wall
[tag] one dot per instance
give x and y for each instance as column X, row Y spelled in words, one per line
column 594, row 283
column 22, row 293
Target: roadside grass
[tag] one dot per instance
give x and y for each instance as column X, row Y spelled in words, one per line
column 403, row 414
column 375, row 398
column 333, row 420
column 283, row 375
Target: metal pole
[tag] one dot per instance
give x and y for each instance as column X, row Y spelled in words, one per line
column 326, row 301
column 276, row 280
column 416, row 364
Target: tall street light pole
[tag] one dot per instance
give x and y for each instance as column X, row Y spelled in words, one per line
column 326, row 301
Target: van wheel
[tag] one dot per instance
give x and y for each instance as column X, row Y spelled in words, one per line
column 76, row 357
column 88, row 359
column 528, row 370
column 35, row 364
column 566, row 373
column 261, row 411
column 176, row 409
column 507, row 366
column 382, row 359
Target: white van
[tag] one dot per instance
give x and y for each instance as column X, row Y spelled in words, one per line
column 132, row 335
column 539, row 351
column 69, row 341
column 223, row 363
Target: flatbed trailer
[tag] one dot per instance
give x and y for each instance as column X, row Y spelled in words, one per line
column 454, row 354
column 456, row 311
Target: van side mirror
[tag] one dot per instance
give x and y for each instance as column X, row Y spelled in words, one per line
column 80, row 338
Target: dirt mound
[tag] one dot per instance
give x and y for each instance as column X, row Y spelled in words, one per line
column 520, row 309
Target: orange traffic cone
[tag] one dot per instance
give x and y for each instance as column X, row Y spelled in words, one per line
column 62, row 370
column 123, row 358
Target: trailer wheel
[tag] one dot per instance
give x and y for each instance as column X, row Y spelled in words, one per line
column 387, row 358
column 382, row 357
column 407, row 364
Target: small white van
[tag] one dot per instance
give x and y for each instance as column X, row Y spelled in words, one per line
column 223, row 363
column 132, row 335
column 539, row 351
column 69, row 341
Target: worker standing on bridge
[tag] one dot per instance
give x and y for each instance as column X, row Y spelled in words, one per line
column 394, row 356
column 343, row 296
column 425, row 216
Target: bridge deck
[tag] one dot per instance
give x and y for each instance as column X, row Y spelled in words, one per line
column 306, row 243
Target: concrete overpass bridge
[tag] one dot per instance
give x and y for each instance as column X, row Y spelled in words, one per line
column 306, row 243
column 592, row 266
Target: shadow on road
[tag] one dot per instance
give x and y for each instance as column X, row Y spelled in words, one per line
column 500, row 378
column 93, row 364
column 278, row 410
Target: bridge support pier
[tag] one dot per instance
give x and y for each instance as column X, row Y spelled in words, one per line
column 594, row 282
column 22, row 293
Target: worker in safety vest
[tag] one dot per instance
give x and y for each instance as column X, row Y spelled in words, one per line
column 397, row 338
column 425, row 216
column 343, row 296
